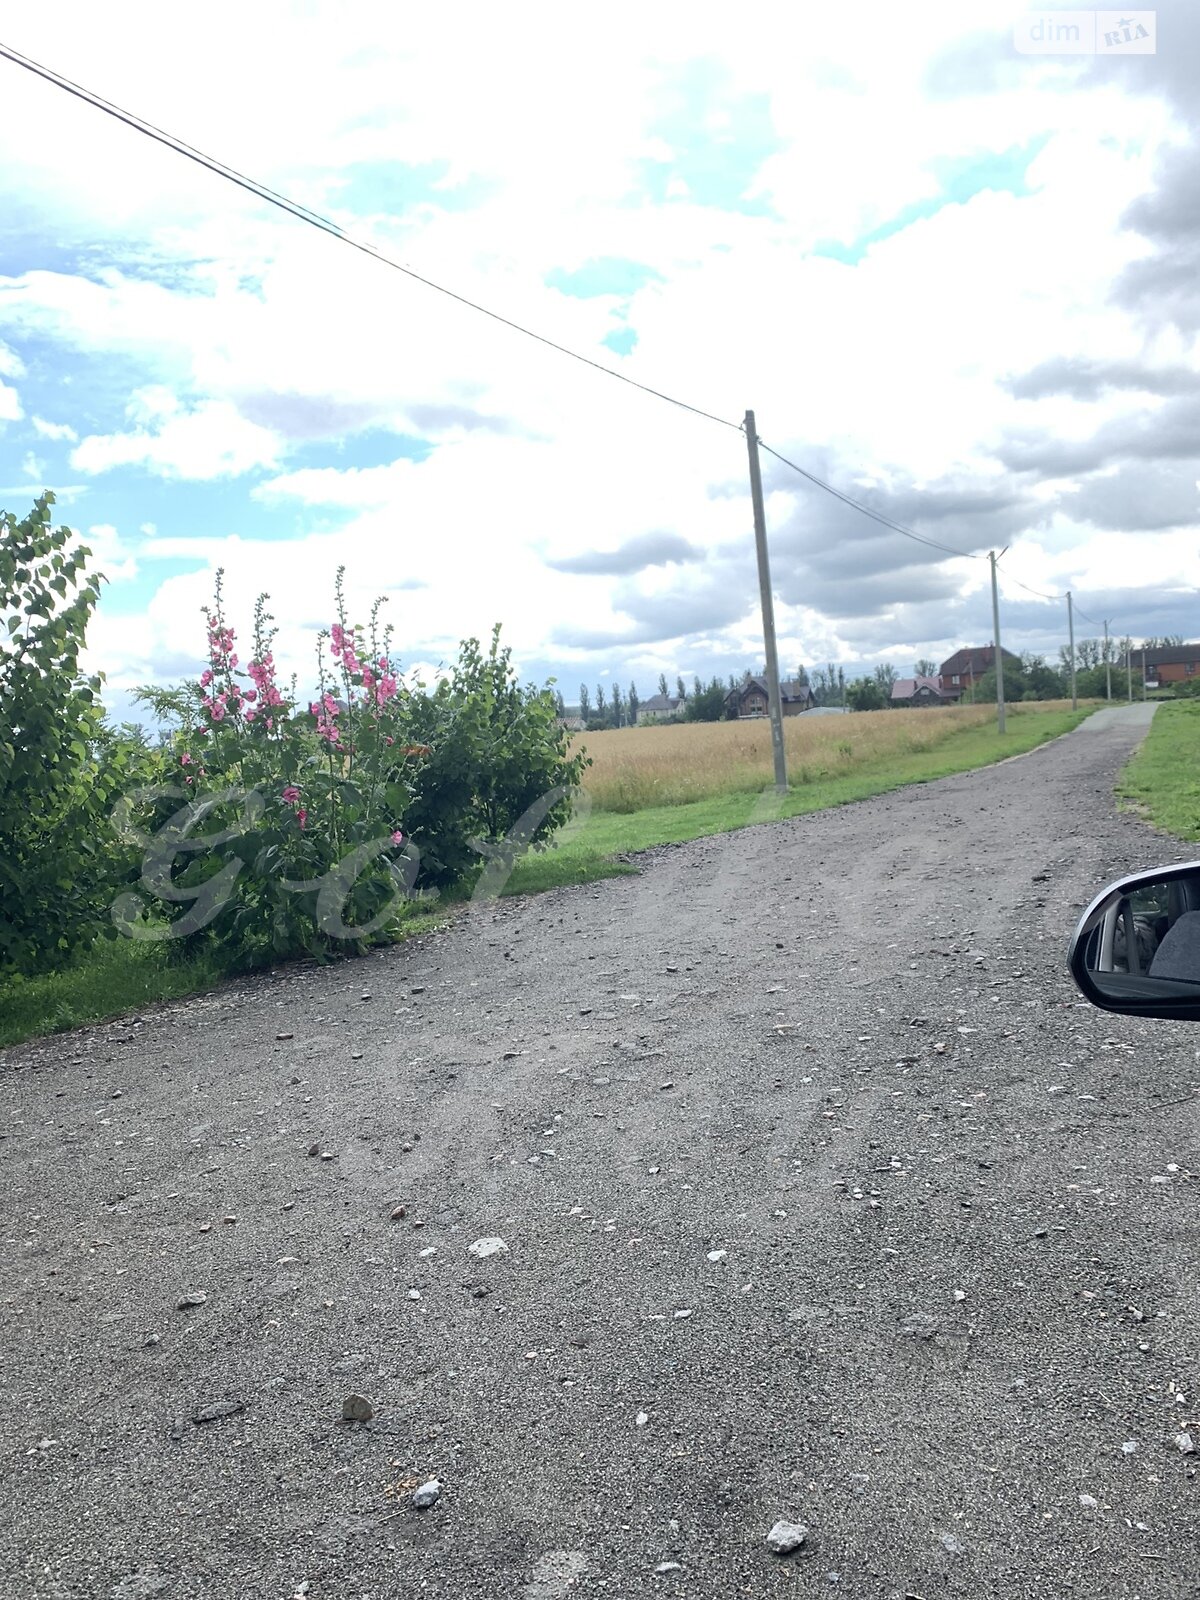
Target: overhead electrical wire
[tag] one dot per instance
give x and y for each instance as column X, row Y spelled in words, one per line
column 868, row 511
column 1027, row 587
column 315, row 220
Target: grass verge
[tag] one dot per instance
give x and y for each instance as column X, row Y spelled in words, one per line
column 111, row 980
column 126, row 976
column 1162, row 780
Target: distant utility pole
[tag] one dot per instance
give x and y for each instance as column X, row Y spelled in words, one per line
column 774, row 703
column 1129, row 668
column 1144, row 695
column 1071, row 635
column 1107, row 662
column 996, row 644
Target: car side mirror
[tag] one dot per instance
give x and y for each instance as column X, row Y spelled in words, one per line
column 1137, row 946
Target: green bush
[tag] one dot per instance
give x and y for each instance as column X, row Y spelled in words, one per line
column 288, row 830
column 61, row 769
column 496, row 758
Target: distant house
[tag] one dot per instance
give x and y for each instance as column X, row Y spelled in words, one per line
column 662, row 707
column 965, row 667
column 1171, row 663
column 749, row 699
column 921, row 692
column 572, row 724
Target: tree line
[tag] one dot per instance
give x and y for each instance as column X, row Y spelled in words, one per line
column 1031, row 677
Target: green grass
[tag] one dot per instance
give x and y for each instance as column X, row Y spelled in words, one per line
column 1162, row 781
column 586, row 851
column 111, row 980
column 126, row 976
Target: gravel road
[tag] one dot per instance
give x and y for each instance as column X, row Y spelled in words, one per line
column 825, row 1199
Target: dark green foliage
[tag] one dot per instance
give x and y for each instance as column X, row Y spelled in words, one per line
column 61, row 770
column 496, row 756
column 865, row 694
column 706, row 704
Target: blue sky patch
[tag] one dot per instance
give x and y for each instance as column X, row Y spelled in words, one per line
column 604, row 275
column 622, row 340
column 718, row 139
column 961, row 178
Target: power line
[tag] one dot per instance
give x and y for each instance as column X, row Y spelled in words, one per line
column 302, row 213
column 867, row 511
column 1030, row 590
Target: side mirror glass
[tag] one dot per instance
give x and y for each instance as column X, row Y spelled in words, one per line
column 1137, row 946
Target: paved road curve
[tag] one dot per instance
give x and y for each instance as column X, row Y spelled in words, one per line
column 824, row 1197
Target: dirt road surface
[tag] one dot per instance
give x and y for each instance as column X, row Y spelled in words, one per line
column 824, row 1197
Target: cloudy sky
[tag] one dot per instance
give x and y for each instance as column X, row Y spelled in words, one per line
column 960, row 282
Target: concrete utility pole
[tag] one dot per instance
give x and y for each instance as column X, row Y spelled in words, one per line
column 1071, row 635
column 1107, row 662
column 1144, row 696
column 774, row 703
column 996, row 644
column 1129, row 668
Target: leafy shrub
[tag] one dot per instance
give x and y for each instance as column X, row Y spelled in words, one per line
column 497, row 757
column 61, row 769
column 292, row 830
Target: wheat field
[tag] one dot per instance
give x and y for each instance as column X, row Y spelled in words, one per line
column 675, row 763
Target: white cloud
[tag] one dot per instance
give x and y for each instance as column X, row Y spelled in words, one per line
column 208, row 440
column 10, row 404
column 53, row 430
column 33, row 466
column 110, row 553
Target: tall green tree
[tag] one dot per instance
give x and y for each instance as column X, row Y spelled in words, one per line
column 633, row 702
column 618, row 706
column 662, row 685
column 601, row 703
column 924, row 668
column 707, row 704
column 679, row 689
column 585, row 702
column 865, row 694
column 61, row 771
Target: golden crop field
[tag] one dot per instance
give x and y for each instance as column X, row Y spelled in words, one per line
column 675, row 763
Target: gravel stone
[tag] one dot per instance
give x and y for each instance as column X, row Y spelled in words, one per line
column 786, row 1537
column 217, row 1409
column 484, row 1249
column 428, row 1494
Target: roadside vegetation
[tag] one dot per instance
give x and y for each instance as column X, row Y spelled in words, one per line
column 1162, row 781
column 264, row 825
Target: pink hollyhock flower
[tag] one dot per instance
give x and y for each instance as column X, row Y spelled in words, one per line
column 185, row 760
column 397, row 837
column 302, row 817
column 290, row 795
column 206, row 677
column 249, row 694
